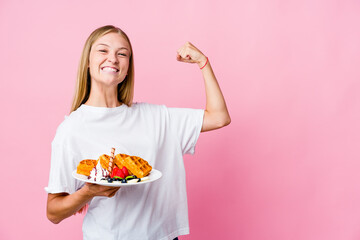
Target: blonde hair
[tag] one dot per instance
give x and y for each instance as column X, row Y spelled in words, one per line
column 83, row 83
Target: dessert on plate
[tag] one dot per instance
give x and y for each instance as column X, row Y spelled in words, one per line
column 134, row 164
column 85, row 166
column 122, row 167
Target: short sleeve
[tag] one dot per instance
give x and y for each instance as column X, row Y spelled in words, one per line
column 63, row 163
column 186, row 123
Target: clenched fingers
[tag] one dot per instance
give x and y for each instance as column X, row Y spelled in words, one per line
column 190, row 54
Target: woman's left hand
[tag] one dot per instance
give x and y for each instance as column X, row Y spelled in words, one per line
column 190, row 54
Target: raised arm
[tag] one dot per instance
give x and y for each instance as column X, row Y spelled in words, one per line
column 216, row 114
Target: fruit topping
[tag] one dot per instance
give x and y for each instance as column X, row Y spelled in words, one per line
column 113, row 173
column 117, row 172
column 120, row 174
column 135, row 180
column 125, row 171
column 130, row 177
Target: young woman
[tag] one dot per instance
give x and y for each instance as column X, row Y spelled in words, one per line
column 103, row 116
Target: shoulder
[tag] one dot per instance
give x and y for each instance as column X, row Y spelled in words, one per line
column 156, row 109
column 68, row 127
column 147, row 107
column 151, row 113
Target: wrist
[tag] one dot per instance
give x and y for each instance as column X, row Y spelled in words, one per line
column 85, row 192
column 203, row 62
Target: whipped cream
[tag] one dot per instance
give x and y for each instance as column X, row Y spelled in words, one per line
column 97, row 173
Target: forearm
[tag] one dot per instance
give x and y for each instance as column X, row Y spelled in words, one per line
column 216, row 112
column 61, row 206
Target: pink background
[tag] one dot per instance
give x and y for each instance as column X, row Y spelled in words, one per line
column 288, row 165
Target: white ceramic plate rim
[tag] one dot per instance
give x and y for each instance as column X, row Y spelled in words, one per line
column 153, row 176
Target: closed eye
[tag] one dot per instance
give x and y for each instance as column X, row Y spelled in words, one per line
column 122, row 54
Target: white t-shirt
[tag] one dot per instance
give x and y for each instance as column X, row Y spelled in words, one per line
column 158, row 134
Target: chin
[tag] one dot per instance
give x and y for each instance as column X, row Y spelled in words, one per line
column 110, row 82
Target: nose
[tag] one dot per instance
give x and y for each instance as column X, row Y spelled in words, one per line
column 112, row 57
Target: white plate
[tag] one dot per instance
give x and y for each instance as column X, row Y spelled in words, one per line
column 153, row 176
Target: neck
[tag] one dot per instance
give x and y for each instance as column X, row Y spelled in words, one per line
column 103, row 96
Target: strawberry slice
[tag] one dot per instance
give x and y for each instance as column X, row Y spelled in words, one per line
column 120, row 173
column 117, row 172
column 114, row 171
column 125, row 171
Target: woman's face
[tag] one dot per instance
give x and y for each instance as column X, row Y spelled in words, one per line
column 109, row 59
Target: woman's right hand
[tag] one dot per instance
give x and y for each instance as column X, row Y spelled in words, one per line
column 64, row 205
column 94, row 190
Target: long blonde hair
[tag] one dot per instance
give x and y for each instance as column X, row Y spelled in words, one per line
column 83, row 83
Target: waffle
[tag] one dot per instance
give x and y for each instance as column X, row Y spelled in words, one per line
column 104, row 161
column 85, row 166
column 118, row 162
column 136, row 165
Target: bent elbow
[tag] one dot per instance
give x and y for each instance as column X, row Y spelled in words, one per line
column 215, row 121
column 227, row 121
column 53, row 219
column 224, row 121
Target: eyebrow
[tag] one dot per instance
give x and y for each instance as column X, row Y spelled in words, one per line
column 109, row 46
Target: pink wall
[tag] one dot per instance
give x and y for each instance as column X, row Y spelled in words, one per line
column 288, row 165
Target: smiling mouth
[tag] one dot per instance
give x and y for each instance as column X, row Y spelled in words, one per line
column 109, row 69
